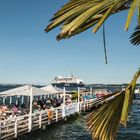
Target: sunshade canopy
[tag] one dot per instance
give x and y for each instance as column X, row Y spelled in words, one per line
column 53, row 89
column 26, row 90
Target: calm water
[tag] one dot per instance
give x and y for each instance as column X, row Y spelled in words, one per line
column 74, row 129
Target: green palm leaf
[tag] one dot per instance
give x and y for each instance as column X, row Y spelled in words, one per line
column 79, row 15
column 99, row 121
column 135, row 37
column 131, row 13
column 110, row 10
column 129, row 94
column 104, row 121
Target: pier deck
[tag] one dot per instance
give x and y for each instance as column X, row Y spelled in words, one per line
column 14, row 127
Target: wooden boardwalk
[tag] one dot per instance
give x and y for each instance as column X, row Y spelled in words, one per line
column 14, row 127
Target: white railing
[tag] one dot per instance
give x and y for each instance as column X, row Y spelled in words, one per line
column 13, row 127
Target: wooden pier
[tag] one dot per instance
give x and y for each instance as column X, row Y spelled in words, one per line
column 14, row 127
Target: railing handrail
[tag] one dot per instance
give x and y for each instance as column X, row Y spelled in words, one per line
column 38, row 118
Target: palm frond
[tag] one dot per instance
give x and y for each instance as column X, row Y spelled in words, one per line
column 104, row 121
column 101, row 122
column 131, row 13
column 79, row 15
column 139, row 13
column 129, row 94
column 114, row 7
column 135, row 37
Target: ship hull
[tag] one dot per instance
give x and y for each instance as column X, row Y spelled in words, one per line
column 61, row 85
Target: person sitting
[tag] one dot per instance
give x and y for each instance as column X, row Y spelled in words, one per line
column 4, row 108
column 1, row 113
column 2, row 118
column 15, row 108
column 48, row 103
column 35, row 106
column 68, row 100
column 59, row 101
column 40, row 102
column 0, row 110
column 54, row 102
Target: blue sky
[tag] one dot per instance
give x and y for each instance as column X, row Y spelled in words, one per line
column 29, row 55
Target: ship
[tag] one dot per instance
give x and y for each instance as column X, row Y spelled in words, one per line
column 70, row 81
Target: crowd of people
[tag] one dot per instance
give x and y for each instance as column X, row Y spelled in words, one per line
column 18, row 109
column 9, row 111
column 48, row 103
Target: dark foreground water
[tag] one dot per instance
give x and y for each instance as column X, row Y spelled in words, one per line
column 74, row 129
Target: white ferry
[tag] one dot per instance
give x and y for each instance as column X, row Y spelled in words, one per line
column 67, row 82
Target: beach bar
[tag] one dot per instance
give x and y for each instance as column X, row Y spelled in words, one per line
column 14, row 126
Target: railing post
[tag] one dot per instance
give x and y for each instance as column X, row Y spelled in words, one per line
column 63, row 107
column 56, row 114
column 30, row 123
column 40, row 119
column 16, row 126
